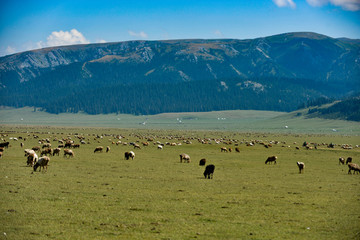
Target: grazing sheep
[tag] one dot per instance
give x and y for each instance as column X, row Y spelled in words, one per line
column 68, row 152
column 36, row 149
column 202, row 162
column 237, row 149
column 348, row 160
column 46, row 152
column 46, row 145
column 107, row 149
column 4, row 144
column 130, row 154
column 56, row 151
column 160, row 147
column 42, row 162
column 301, row 166
column 341, row 160
column 271, row 159
column 184, row 157
column 355, row 167
column 223, row 149
column 136, row 146
column 209, row 171
column 98, row 149
column 32, row 157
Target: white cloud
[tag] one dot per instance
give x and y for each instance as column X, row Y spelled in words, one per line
column 139, row 34
column 66, row 38
column 285, row 3
column 218, row 33
column 101, row 41
column 349, row 5
column 10, row 50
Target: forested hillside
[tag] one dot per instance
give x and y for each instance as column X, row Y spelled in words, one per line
column 146, row 77
column 347, row 109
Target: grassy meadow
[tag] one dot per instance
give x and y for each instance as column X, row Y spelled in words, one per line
column 154, row 196
column 236, row 120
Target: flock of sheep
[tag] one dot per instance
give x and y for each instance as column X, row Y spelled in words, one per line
column 45, row 151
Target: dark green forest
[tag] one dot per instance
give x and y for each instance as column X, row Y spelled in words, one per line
column 347, row 109
column 275, row 94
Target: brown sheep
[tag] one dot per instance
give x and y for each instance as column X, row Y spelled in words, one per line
column 36, row 149
column 354, row 167
column 46, row 152
column 68, row 152
column 224, row 149
column 98, row 149
column 42, row 162
column 301, row 166
column 184, row 157
column 56, row 151
column 271, row 159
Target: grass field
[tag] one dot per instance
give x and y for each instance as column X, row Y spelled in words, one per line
column 154, row 196
column 239, row 121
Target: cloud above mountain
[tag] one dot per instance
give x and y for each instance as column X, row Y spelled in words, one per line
column 138, row 35
column 349, row 5
column 62, row 38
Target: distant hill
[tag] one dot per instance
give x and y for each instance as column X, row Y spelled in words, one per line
column 347, row 109
column 147, row 77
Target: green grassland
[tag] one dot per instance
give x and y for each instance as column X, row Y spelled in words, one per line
column 238, row 120
column 154, row 196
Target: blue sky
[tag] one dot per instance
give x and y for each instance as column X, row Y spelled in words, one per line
column 33, row 24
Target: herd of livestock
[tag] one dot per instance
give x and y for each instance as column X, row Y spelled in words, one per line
column 68, row 145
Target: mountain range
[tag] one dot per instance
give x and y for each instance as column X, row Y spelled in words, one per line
column 277, row 72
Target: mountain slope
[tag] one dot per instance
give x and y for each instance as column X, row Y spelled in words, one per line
column 283, row 70
column 346, row 109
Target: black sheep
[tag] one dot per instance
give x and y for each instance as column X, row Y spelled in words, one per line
column 202, row 162
column 209, row 171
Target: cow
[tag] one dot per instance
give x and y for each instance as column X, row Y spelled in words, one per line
column 209, row 171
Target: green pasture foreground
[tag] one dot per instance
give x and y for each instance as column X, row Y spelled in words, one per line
column 154, row 196
column 237, row 120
